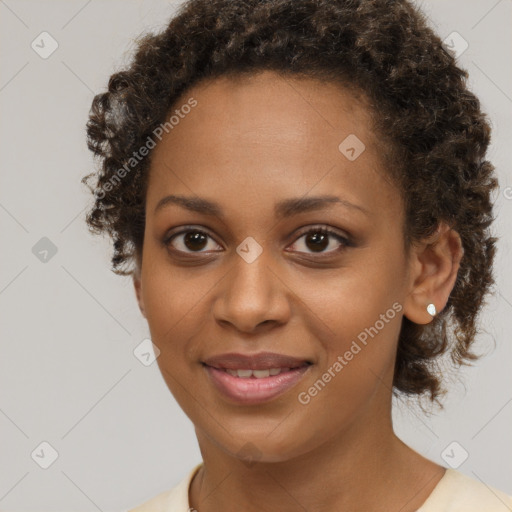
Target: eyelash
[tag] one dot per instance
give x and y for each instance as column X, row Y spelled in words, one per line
column 345, row 242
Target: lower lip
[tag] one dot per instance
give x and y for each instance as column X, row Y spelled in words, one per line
column 248, row 391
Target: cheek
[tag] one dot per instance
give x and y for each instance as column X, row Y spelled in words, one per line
column 174, row 313
column 359, row 306
column 174, row 319
column 170, row 296
column 356, row 367
column 354, row 297
column 358, row 324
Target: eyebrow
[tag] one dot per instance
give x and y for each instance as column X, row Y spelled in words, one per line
column 282, row 209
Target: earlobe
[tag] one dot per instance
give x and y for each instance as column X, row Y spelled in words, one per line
column 434, row 267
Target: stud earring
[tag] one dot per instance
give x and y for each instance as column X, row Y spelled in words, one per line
column 431, row 309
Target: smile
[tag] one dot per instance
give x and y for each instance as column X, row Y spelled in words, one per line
column 258, row 374
column 251, row 387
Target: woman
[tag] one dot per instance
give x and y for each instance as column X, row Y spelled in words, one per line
column 302, row 191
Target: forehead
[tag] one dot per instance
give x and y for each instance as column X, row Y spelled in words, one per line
column 249, row 136
column 270, row 106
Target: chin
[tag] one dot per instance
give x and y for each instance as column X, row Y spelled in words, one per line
column 263, row 447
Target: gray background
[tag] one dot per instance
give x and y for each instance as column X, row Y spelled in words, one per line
column 69, row 325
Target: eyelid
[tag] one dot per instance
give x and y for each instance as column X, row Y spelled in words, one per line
column 344, row 239
column 168, row 237
column 324, row 228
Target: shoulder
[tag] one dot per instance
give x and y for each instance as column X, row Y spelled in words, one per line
column 457, row 492
column 175, row 499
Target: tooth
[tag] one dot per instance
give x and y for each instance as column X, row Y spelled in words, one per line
column 244, row 373
column 260, row 374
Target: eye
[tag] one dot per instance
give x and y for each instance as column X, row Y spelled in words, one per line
column 317, row 239
column 192, row 239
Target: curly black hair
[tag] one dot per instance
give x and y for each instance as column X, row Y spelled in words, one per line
column 437, row 135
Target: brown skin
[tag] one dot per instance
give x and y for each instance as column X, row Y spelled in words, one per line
column 247, row 145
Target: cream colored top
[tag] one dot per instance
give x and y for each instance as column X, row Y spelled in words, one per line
column 455, row 492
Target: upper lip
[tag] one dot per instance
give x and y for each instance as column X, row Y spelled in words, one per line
column 261, row 361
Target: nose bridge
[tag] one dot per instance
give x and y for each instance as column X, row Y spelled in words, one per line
column 251, row 273
column 251, row 266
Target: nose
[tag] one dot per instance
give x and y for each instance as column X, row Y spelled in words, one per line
column 253, row 296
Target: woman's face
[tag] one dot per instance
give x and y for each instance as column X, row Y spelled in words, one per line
column 256, row 281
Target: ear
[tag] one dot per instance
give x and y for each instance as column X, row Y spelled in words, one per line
column 434, row 264
column 137, row 283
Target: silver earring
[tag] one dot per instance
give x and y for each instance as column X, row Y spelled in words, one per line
column 431, row 309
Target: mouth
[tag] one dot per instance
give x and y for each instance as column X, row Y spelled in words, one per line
column 252, row 386
column 247, row 373
column 256, row 362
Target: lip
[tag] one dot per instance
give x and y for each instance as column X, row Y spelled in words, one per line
column 260, row 361
column 251, row 390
